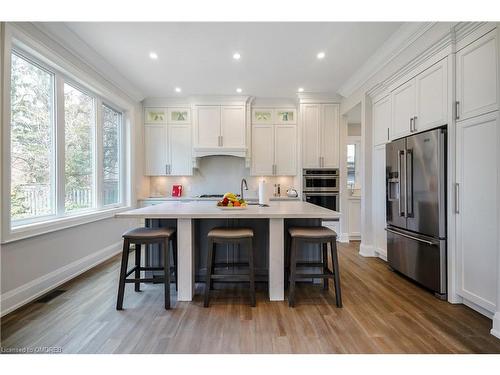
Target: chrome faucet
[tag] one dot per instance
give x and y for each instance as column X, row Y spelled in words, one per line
column 243, row 183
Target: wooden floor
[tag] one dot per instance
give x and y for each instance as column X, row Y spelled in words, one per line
column 382, row 313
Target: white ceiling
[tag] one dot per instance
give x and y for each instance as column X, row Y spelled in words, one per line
column 276, row 58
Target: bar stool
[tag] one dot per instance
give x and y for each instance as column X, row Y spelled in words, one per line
column 244, row 238
column 147, row 236
column 315, row 235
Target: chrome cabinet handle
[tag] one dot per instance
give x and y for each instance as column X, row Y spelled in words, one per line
column 415, row 123
column 457, row 107
column 221, row 141
column 387, row 133
column 166, row 168
column 411, row 124
column 457, row 198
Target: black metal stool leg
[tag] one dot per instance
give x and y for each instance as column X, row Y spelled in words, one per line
column 293, row 269
column 208, row 279
column 123, row 272
column 251, row 252
column 324, row 247
column 166, row 272
column 137, row 274
column 336, row 277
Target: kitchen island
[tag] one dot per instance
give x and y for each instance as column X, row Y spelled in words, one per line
column 188, row 215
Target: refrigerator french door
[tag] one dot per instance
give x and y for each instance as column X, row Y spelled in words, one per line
column 416, row 208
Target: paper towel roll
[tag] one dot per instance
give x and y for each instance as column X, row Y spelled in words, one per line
column 263, row 196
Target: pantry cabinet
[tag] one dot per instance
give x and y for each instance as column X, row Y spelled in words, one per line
column 381, row 113
column 379, row 200
column 422, row 102
column 477, row 77
column 476, row 200
column 320, row 135
column 274, row 150
column 221, row 127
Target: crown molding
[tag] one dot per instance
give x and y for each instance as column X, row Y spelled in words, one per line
column 400, row 40
column 315, row 97
column 66, row 38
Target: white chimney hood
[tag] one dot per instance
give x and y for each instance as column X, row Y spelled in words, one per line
column 240, row 152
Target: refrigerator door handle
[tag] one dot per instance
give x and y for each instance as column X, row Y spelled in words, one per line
column 401, row 213
column 412, row 237
column 409, row 182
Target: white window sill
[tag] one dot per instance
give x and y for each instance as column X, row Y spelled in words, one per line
column 53, row 225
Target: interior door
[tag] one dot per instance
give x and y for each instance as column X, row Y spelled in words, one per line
column 285, row 150
column 208, row 126
column 395, row 183
column 155, row 150
column 311, row 135
column 179, row 140
column 262, row 150
column 403, row 108
column 233, row 126
column 426, row 179
column 330, row 135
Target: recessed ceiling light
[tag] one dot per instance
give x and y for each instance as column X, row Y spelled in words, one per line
column 236, row 56
column 301, row 89
column 153, row 55
column 178, row 89
column 321, row 55
column 238, row 90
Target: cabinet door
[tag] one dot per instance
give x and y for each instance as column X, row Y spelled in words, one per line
column 403, row 109
column 233, row 126
column 381, row 120
column 208, row 126
column 285, row 150
column 179, row 115
column 329, row 144
column 155, row 150
column 432, row 97
column 311, row 135
column 263, row 116
column 477, row 77
column 155, row 115
column 477, row 217
column 379, row 199
column 179, row 142
column 262, row 150
column 354, row 218
column 285, row 116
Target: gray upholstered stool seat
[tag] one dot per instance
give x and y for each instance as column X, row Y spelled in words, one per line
column 231, row 233
column 324, row 237
column 146, row 233
column 243, row 238
column 312, row 232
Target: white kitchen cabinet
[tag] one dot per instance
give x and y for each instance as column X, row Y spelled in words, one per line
column 477, row 77
column 381, row 113
column 167, row 150
column 233, row 126
column 379, row 200
column 208, row 126
column 155, row 115
column 403, row 109
column 320, row 134
column 262, row 150
column 263, row 116
column 354, row 218
column 274, row 150
column 285, row 116
column 179, row 150
column 476, row 202
column 432, row 97
column 179, row 115
column 155, row 150
column 285, row 150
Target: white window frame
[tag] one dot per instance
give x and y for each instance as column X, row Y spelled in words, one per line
column 39, row 54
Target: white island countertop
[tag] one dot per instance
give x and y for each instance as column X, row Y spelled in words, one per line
column 209, row 210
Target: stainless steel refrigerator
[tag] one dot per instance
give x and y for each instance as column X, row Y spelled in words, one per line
column 416, row 208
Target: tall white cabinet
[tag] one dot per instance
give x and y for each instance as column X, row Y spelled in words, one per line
column 320, row 135
column 476, row 191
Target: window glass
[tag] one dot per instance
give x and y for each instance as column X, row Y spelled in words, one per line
column 32, row 141
column 111, row 135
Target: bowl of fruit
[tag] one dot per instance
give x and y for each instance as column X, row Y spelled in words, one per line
column 230, row 201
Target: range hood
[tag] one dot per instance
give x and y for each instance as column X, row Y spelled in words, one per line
column 200, row 152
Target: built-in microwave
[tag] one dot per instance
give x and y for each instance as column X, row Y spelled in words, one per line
column 315, row 180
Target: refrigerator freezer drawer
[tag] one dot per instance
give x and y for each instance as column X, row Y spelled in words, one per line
column 420, row 258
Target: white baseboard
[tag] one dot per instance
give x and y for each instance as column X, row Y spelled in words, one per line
column 366, row 250
column 344, row 238
column 381, row 254
column 495, row 331
column 20, row 296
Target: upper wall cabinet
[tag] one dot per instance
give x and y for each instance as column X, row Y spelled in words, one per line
column 263, row 116
column 422, row 102
column 285, row 116
column 155, row 115
column 219, row 129
column 477, row 77
column 179, row 116
column 320, row 134
column 381, row 120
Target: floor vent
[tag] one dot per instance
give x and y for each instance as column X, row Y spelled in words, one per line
column 50, row 296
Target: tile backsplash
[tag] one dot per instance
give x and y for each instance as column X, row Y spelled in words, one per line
column 217, row 175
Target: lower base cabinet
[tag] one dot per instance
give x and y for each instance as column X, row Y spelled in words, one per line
column 476, row 207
